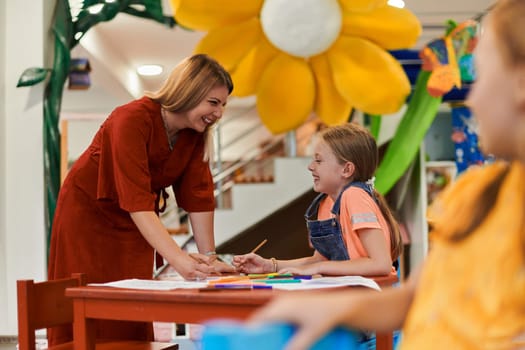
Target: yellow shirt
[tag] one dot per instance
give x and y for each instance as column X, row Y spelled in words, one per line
column 471, row 294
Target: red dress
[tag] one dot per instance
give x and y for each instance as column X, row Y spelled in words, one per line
column 124, row 170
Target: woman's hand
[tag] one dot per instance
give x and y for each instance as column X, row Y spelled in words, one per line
column 218, row 265
column 193, row 266
column 222, row 267
column 252, row 263
column 203, row 258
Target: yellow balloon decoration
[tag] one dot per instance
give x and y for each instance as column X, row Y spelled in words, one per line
column 289, row 83
column 263, row 44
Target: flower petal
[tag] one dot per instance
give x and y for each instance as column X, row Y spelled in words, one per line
column 368, row 77
column 285, row 93
column 389, row 27
column 330, row 106
column 249, row 70
column 229, row 44
column 361, row 5
column 206, row 14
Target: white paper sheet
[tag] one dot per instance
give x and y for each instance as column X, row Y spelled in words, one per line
column 153, row 284
column 329, row 282
column 315, row 283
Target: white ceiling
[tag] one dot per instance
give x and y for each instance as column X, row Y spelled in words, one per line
column 117, row 47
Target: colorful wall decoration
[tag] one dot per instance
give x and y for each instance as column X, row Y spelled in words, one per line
column 444, row 69
column 465, row 138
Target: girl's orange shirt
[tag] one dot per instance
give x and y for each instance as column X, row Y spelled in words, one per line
column 358, row 211
column 471, row 294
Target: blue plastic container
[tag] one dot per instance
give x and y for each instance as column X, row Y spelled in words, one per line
column 233, row 335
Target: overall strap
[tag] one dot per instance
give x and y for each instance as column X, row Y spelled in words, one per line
column 362, row 185
column 314, row 207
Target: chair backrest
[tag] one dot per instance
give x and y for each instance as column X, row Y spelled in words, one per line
column 43, row 305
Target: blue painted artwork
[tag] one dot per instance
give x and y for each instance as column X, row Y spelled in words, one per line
column 465, row 138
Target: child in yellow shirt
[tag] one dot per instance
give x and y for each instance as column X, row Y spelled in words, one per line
column 470, row 292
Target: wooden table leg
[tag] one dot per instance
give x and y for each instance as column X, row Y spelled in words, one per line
column 84, row 331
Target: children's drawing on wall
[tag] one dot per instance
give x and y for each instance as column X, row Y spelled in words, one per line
column 465, row 138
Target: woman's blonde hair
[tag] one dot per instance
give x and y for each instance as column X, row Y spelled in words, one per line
column 353, row 143
column 188, row 84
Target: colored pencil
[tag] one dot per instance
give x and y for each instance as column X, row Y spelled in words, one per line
column 233, row 286
column 259, row 246
column 229, row 279
column 279, row 280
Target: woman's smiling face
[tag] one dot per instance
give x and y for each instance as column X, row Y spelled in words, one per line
column 208, row 111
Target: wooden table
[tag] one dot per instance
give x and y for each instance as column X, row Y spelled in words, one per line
column 180, row 306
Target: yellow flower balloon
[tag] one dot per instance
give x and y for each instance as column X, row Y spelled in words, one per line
column 304, row 56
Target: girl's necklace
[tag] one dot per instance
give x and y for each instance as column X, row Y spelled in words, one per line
column 170, row 141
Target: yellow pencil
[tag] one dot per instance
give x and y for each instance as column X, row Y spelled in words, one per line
column 229, row 279
column 259, row 246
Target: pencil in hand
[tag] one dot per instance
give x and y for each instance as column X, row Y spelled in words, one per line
column 259, row 246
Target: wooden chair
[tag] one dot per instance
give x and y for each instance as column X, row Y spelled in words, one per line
column 44, row 305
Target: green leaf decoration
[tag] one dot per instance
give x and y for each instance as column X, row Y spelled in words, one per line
column 32, row 76
column 421, row 111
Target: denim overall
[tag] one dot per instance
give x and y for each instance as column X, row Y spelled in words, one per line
column 326, row 235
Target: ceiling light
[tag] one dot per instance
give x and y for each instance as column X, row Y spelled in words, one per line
column 396, row 3
column 149, row 69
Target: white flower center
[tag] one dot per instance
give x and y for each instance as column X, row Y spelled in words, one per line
column 301, row 28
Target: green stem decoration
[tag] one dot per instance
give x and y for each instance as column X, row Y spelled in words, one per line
column 421, row 111
column 375, row 125
column 62, row 30
column 68, row 32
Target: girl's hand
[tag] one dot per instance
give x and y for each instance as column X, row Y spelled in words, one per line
column 252, row 263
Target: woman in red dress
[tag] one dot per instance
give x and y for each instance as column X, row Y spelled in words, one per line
column 106, row 222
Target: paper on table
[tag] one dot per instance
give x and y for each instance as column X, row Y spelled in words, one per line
column 314, row 283
column 153, row 284
column 329, row 282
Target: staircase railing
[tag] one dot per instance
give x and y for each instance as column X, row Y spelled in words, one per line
column 223, row 172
